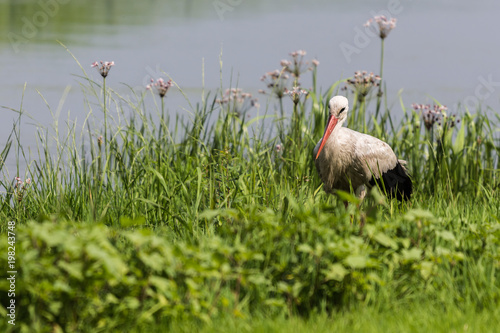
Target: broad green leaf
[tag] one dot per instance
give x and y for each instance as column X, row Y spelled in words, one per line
column 258, row 279
column 447, row 138
column 297, row 287
column 62, row 286
column 284, row 287
column 385, row 240
column 192, row 285
column 458, row 145
column 426, row 268
column 112, row 262
column 131, row 302
column 305, row 248
column 275, row 302
column 356, row 261
column 412, row 254
column 110, row 298
column 446, row 235
column 345, row 196
column 74, row 269
column 406, row 242
column 418, row 214
column 336, row 272
column 210, row 213
column 55, row 307
column 442, row 251
column 152, row 260
column 162, row 284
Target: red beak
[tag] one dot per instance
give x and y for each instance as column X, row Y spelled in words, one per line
column 332, row 122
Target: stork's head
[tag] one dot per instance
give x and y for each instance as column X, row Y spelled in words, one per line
column 339, row 106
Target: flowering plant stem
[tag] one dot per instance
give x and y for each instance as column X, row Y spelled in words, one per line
column 105, row 117
column 296, row 124
column 361, row 114
column 100, row 173
column 379, row 95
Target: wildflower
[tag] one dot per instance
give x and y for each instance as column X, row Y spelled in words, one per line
column 276, row 81
column 430, row 115
column 362, row 83
column 384, row 25
column 296, row 93
column 452, row 121
column 237, row 99
column 100, row 141
column 296, row 66
column 278, row 147
column 436, row 114
column 285, row 63
column 104, row 67
column 161, row 86
column 299, row 53
column 20, row 188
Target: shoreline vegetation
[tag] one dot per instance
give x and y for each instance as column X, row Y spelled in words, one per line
column 218, row 223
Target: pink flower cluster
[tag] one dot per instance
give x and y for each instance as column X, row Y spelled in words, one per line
column 296, row 66
column 384, row 25
column 20, row 187
column 363, row 82
column 160, row 85
column 19, row 182
column 296, row 93
column 278, row 80
column 435, row 114
column 104, row 67
column 237, row 99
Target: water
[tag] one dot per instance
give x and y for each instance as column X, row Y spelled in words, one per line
column 442, row 49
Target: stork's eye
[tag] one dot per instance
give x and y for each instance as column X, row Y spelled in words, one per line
column 342, row 110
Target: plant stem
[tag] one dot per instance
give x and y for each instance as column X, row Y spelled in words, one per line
column 162, row 118
column 379, row 95
column 104, row 109
column 295, row 125
column 162, row 106
column 362, row 108
column 281, row 106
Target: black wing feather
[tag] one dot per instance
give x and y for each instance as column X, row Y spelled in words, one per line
column 395, row 183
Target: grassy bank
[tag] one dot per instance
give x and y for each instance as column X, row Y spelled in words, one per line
column 422, row 317
column 141, row 219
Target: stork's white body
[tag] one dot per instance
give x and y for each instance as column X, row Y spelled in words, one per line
column 349, row 159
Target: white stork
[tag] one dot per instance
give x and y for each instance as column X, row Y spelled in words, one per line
column 348, row 159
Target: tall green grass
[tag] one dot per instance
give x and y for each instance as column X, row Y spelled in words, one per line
column 248, row 226
column 221, row 159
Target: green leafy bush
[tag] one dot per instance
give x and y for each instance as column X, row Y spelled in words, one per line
column 79, row 276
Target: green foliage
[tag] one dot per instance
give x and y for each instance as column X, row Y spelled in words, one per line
column 260, row 261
